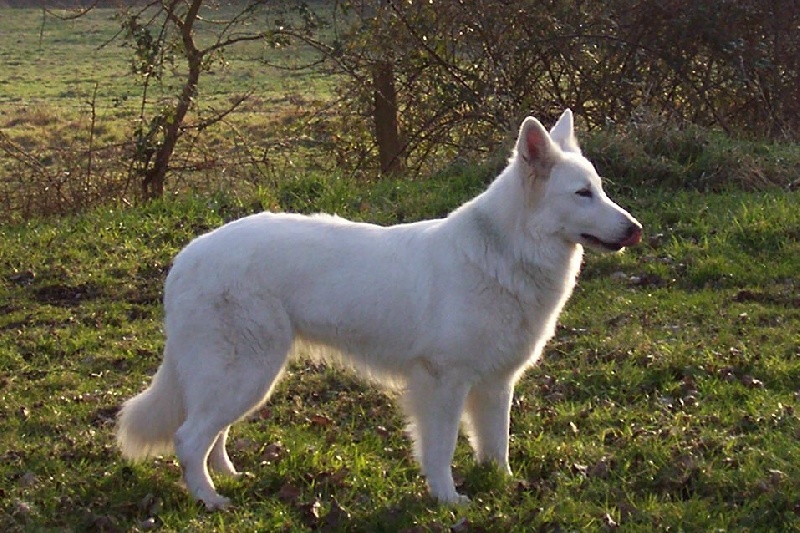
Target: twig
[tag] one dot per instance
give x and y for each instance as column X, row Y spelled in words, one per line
column 93, row 104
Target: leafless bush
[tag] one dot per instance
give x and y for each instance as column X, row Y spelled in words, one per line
column 60, row 170
column 447, row 78
column 466, row 69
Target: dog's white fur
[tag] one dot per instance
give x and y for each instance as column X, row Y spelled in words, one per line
column 450, row 311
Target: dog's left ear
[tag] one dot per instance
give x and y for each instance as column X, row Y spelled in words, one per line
column 535, row 147
column 563, row 133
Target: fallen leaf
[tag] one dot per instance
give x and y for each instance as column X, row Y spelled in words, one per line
column 330, row 479
column 752, row 383
column 320, row 421
column 336, row 515
column 22, row 508
column 311, row 512
column 28, row 479
column 600, row 469
column 149, row 505
column 289, row 493
column 272, row 453
column 609, row 521
column 149, row 523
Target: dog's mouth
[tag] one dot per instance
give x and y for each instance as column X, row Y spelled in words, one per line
column 633, row 238
column 594, row 242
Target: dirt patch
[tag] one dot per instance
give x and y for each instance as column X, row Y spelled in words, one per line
column 763, row 297
column 66, row 295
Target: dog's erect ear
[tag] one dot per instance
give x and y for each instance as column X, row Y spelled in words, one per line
column 563, row 133
column 534, row 145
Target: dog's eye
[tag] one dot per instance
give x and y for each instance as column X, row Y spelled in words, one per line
column 584, row 193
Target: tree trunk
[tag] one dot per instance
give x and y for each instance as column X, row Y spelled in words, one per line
column 155, row 177
column 387, row 135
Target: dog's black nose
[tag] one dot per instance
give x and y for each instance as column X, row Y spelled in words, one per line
column 633, row 235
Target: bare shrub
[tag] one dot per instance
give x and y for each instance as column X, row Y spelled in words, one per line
column 468, row 69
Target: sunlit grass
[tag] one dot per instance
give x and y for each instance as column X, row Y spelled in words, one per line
column 666, row 400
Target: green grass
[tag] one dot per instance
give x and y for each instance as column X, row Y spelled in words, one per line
column 666, row 401
column 58, row 62
column 58, row 72
column 662, row 154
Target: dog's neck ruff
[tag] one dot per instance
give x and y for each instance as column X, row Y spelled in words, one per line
column 526, row 268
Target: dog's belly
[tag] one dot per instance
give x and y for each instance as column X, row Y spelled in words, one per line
column 392, row 335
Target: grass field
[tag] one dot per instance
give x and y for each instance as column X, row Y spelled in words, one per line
column 667, row 400
column 51, row 61
column 69, row 106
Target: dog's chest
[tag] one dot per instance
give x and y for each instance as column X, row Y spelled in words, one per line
column 521, row 318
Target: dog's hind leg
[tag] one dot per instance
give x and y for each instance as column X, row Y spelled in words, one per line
column 433, row 403
column 487, row 413
column 211, row 409
column 233, row 370
column 218, row 458
column 193, row 442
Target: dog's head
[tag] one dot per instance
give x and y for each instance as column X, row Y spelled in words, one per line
column 567, row 191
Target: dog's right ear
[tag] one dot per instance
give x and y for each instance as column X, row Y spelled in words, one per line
column 563, row 133
column 535, row 147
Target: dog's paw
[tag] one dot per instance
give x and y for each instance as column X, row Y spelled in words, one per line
column 239, row 475
column 461, row 499
column 453, row 498
column 217, row 503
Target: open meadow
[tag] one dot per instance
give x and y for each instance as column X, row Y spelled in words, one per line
column 70, row 106
column 669, row 399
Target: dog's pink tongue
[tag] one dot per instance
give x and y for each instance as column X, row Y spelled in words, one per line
column 634, row 238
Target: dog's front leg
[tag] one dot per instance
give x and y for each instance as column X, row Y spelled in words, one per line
column 433, row 402
column 487, row 413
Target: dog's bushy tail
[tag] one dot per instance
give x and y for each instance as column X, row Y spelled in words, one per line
column 147, row 422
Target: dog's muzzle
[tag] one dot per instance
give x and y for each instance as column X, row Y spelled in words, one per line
column 633, row 235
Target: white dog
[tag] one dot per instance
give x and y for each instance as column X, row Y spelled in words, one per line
column 450, row 312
